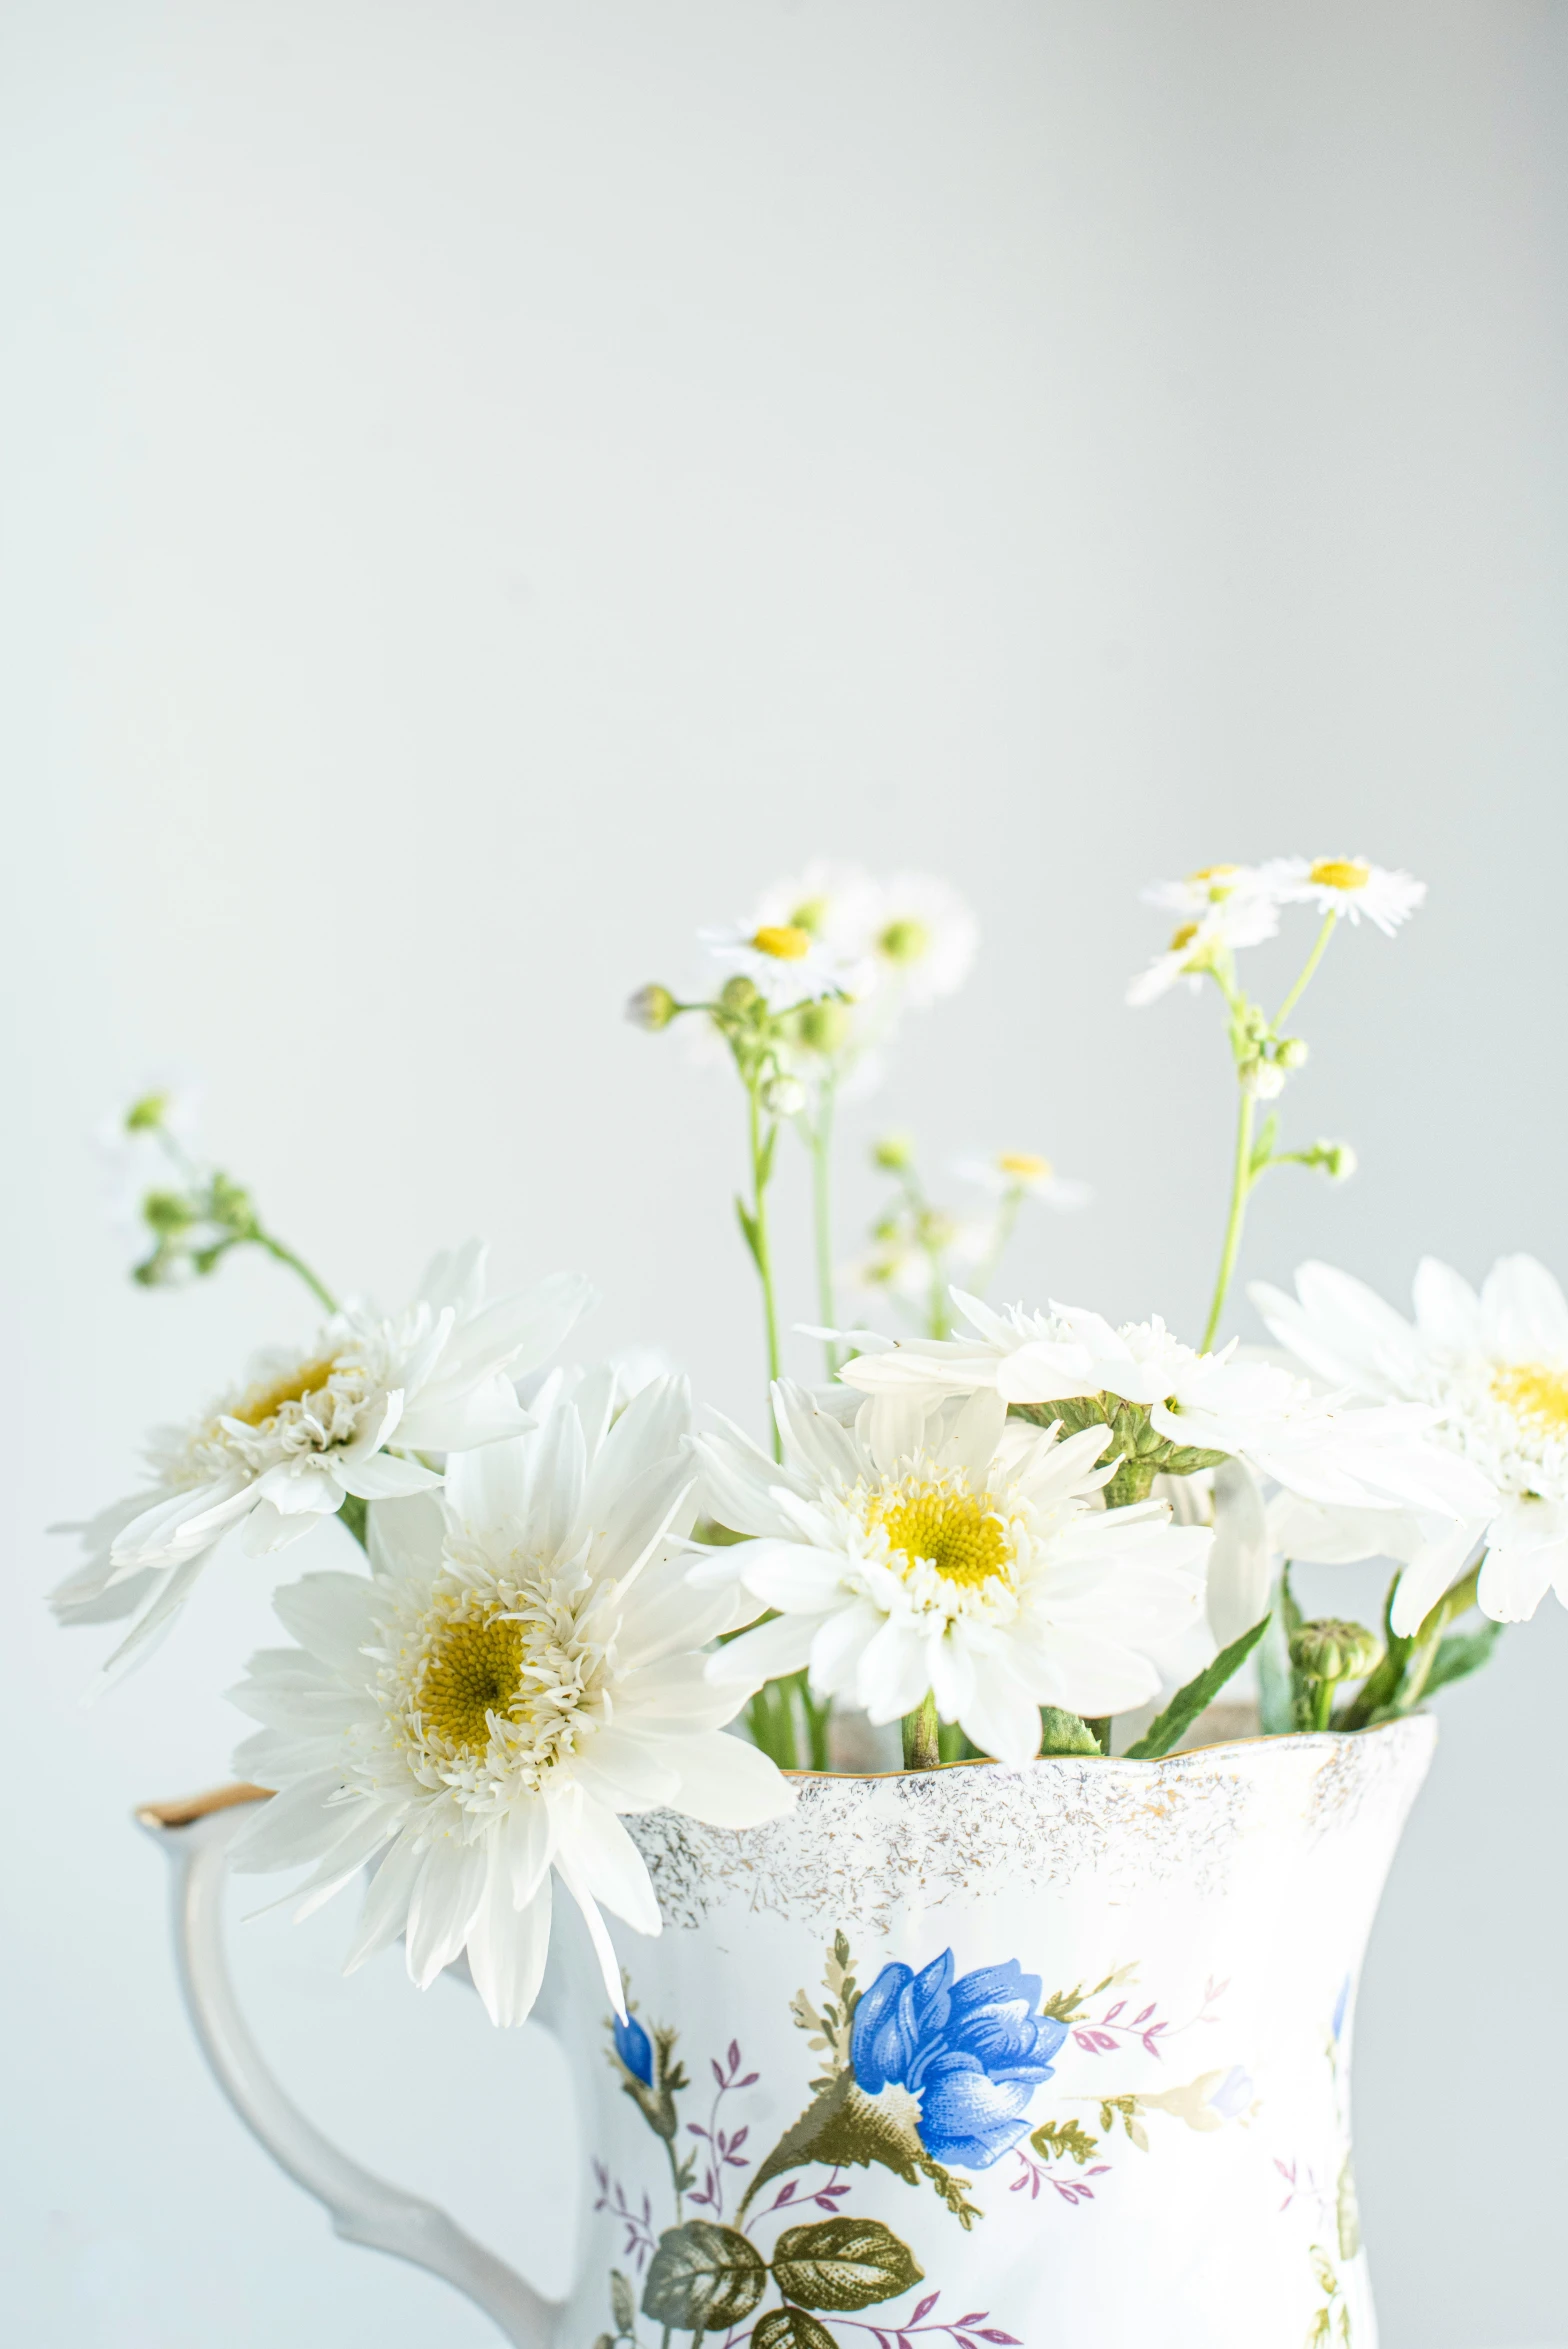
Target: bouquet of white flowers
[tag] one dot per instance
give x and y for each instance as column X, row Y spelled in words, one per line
column 1004, row 1530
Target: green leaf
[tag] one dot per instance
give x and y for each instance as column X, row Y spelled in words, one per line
column 748, row 1230
column 1065, row 1733
column 765, row 1158
column 623, row 2302
column 1185, row 1706
column 842, row 2263
column 790, row 2328
column 1462, row 1653
column 703, row 2277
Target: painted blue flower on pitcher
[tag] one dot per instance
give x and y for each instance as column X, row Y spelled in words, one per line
column 971, row 2051
column 634, row 2047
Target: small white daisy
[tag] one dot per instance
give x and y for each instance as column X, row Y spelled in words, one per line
column 348, row 1416
column 786, row 964
column 922, row 939
column 1197, row 893
column 1244, row 919
column 1021, row 1173
column 524, row 1664
column 947, row 1549
column 1493, row 1369
column 1345, row 885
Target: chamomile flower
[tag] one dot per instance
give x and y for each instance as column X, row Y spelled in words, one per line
column 1493, row 1369
column 1197, row 893
column 788, row 965
column 947, row 1549
column 524, row 1665
column 922, row 939
column 835, row 904
column 1345, row 885
column 350, row 1415
column 1243, row 919
column 1348, row 1455
column 1021, row 1173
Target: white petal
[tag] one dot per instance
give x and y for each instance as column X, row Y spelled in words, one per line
column 1001, row 1717
column 330, row 1614
column 299, row 1824
column 384, row 1476
column 445, row 1902
column 507, row 1949
column 603, row 1946
column 385, row 1912
column 726, row 1782
column 628, row 1772
column 487, row 1489
column 769, row 1652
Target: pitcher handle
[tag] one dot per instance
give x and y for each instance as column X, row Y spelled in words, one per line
column 363, row 2208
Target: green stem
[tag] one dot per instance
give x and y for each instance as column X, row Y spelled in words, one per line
column 822, row 1219
column 760, row 1249
column 816, row 1718
column 1240, row 1186
column 1307, row 969
column 1323, row 1702
column 939, row 1322
column 1399, row 1682
column 922, row 1736
column 275, row 1248
column 1006, row 1219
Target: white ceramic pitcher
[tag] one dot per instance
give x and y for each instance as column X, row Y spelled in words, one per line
column 975, row 2056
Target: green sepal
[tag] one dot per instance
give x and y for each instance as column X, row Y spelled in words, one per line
column 1131, row 1433
column 1189, row 1702
column 1062, row 1732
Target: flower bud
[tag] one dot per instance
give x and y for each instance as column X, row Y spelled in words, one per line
column 893, row 1153
column 652, row 1007
column 823, row 1027
column 1263, row 1080
column 168, row 1212
column 1338, row 1161
column 1293, row 1052
column 147, row 1115
column 784, row 1097
column 739, row 994
column 1331, row 1650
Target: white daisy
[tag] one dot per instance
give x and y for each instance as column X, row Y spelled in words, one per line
column 1211, row 885
column 1244, row 919
column 1022, row 1172
column 1352, row 1456
column 922, row 939
column 786, row 964
column 313, row 1427
column 835, row 904
column 1493, row 1369
column 947, row 1549
column 1345, row 885
column 523, row 1665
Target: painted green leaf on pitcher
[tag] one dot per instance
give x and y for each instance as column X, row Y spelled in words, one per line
column 702, row 2277
column 843, row 2263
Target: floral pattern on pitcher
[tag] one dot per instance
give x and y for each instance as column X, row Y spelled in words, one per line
column 926, row 2074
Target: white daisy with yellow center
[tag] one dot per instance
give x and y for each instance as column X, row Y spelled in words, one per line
column 1493, row 1368
column 1024, row 1174
column 356, row 1414
column 1217, row 921
column 1347, row 885
column 524, row 1665
column 946, row 1549
column 786, row 961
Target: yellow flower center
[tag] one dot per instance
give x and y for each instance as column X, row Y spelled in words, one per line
column 1535, row 1391
column 1024, row 1164
column 476, row 1670
column 945, row 1525
column 1183, row 937
column 785, row 941
column 264, row 1403
column 1336, row 873
column 1218, row 878
column 905, row 941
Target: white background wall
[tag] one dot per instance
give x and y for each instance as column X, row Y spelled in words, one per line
column 487, row 484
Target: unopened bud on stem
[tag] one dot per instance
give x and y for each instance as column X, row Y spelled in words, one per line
column 652, row 1007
